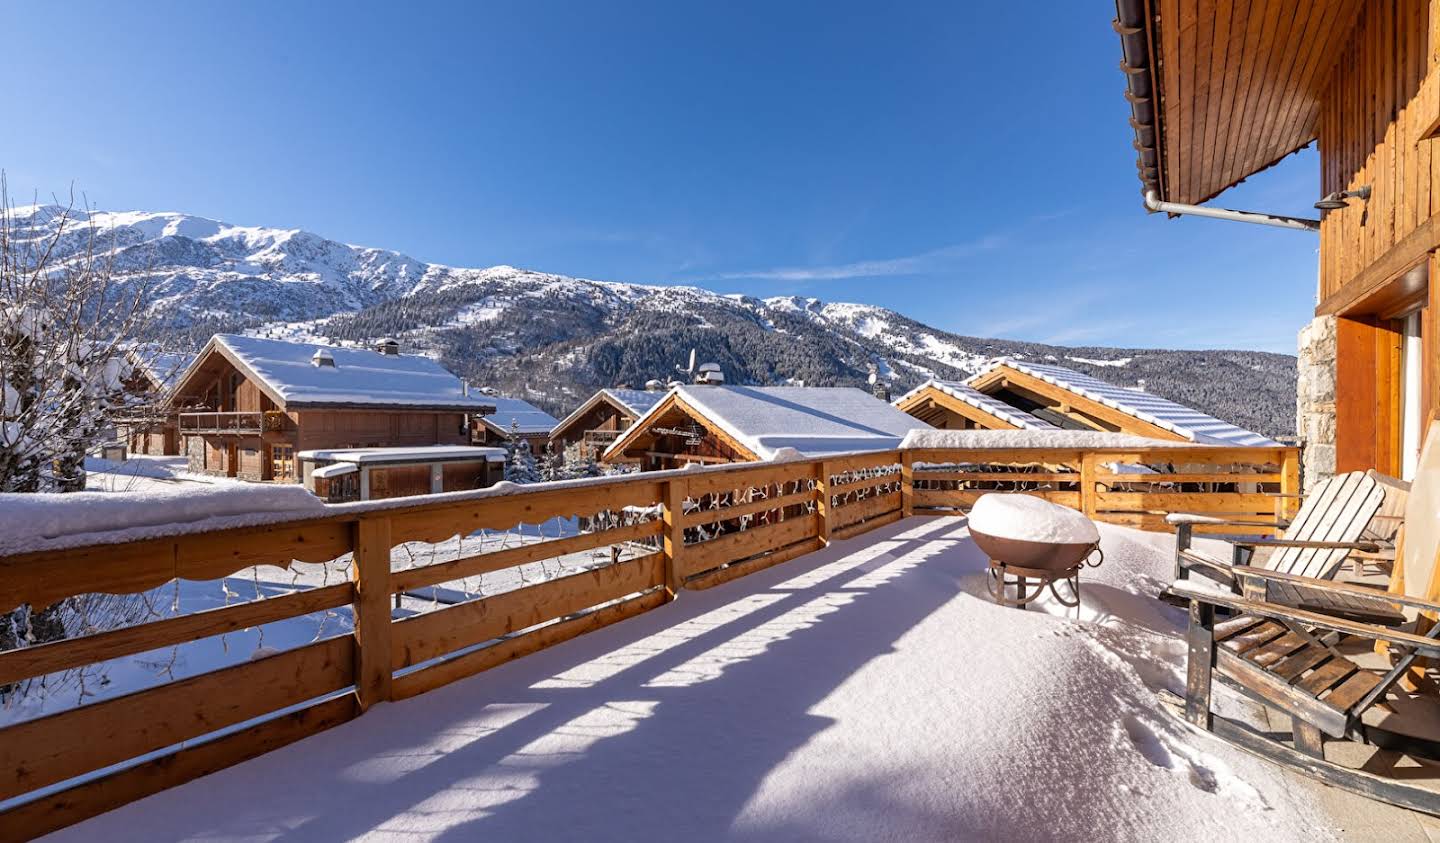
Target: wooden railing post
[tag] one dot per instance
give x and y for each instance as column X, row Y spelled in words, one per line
column 372, row 611
column 1289, row 502
column 824, row 506
column 907, row 484
column 1087, row 484
column 673, row 513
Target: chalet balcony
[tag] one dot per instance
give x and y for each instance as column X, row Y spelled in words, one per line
column 852, row 679
column 235, row 423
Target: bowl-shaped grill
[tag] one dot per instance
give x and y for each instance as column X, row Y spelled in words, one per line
column 1025, row 531
column 1045, row 556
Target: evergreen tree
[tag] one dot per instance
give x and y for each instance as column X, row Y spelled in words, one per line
column 521, row 467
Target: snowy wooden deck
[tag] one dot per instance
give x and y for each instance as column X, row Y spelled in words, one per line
column 868, row 691
column 687, row 711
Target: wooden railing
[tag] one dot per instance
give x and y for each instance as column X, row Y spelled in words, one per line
column 236, row 422
column 667, row 532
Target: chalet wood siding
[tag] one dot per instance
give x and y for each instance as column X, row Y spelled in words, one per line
column 1380, row 100
column 460, row 476
column 253, row 460
column 362, row 428
column 399, row 481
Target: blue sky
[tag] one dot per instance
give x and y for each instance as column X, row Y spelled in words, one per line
column 969, row 167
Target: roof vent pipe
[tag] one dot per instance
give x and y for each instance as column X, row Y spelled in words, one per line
column 322, row 358
column 1152, row 201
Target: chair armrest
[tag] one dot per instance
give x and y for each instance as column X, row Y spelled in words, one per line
column 1178, row 518
column 1195, row 591
column 1360, row 592
column 1261, row 541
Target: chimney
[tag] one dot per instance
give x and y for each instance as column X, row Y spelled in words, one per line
column 322, row 358
column 1140, row 384
column 465, row 387
column 387, row 345
column 710, row 373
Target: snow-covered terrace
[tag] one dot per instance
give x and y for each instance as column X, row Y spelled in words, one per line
column 867, row 691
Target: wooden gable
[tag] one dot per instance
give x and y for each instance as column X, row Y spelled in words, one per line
column 676, row 433
column 943, row 411
column 1061, row 406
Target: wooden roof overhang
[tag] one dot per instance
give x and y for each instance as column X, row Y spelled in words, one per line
column 927, row 403
column 670, row 410
column 1222, row 89
column 1003, row 377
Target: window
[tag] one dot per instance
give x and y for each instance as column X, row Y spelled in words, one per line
column 1412, row 401
column 282, row 462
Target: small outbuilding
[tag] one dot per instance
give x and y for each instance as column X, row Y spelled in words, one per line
column 723, row 424
column 364, row 474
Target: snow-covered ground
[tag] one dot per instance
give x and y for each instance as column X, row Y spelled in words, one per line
column 869, row 691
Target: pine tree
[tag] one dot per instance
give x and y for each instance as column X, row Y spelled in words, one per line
column 521, row 467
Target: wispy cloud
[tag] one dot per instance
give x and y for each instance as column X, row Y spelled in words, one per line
column 935, row 260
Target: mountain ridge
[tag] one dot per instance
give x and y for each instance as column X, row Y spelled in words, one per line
column 554, row 339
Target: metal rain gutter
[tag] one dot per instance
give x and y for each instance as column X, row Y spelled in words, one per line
column 1152, row 201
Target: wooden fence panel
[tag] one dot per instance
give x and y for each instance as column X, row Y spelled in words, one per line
column 735, row 546
column 60, row 746
column 424, row 637
column 71, row 653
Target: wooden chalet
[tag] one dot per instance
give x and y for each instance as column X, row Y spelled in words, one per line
column 251, row 404
column 512, row 418
column 596, row 424
column 1220, row 91
column 952, row 405
column 703, row 424
column 152, row 429
column 1071, row 400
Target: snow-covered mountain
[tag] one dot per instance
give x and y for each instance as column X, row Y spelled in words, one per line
column 554, row 339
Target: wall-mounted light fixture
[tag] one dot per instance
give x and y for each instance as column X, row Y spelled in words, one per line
column 1337, row 200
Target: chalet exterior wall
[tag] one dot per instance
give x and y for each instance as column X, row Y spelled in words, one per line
column 1315, row 405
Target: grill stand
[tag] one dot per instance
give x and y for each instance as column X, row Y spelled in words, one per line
column 1000, row 577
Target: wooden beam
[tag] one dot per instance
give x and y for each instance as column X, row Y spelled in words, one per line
column 674, row 533
column 372, row 611
column 824, row 501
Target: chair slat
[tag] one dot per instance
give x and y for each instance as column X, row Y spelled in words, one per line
column 1278, row 649
column 1325, row 676
column 1357, row 686
column 1296, row 664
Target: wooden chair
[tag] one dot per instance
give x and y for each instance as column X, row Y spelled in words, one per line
column 1323, row 669
column 1331, row 524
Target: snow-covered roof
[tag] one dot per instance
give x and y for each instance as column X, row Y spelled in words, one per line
column 338, row 469
column 635, row 401
column 528, row 419
column 360, row 376
column 163, row 368
column 423, row 453
column 981, row 401
column 1052, row 439
column 812, row 420
column 1176, row 418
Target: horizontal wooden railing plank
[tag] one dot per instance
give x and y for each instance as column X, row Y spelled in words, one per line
column 507, row 649
column 92, row 798
column 102, row 646
column 734, row 571
column 869, row 508
column 702, row 517
column 424, row 637
column 967, row 497
column 1193, row 477
column 43, row 577
column 733, row 546
column 761, row 474
column 1201, row 502
column 498, row 560
column 851, row 530
column 437, row 522
column 1000, row 476
column 840, row 465
column 51, row 749
column 862, row 483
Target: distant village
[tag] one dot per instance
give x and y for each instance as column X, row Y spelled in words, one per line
column 355, row 424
